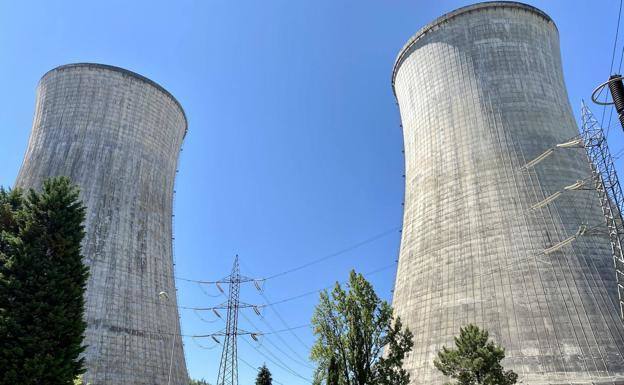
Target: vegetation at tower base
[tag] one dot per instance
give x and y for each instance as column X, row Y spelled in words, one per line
column 264, row 376
column 474, row 360
column 359, row 337
column 42, row 282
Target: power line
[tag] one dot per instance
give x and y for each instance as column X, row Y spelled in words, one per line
column 279, row 316
column 311, row 263
column 617, row 33
column 332, row 255
column 240, row 359
column 280, row 338
column 259, row 333
column 291, row 331
column 295, row 297
column 228, row 367
column 273, row 358
column 302, row 362
column 153, row 300
column 254, row 368
column 259, row 280
column 616, row 37
column 277, row 362
column 273, row 308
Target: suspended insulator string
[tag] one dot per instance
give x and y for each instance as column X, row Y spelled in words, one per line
column 204, row 346
column 277, row 335
column 203, row 319
column 242, row 332
column 153, row 299
column 279, row 316
column 297, row 361
column 306, row 294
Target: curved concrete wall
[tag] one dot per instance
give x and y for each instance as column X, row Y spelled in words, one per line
column 117, row 135
column 481, row 92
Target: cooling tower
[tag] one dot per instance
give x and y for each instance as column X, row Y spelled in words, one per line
column 481, row 93
column 117, row 135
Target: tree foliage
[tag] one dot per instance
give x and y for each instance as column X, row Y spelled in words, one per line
column 474, row 360
column 358, row 340
column 333, row 373
column 42, row 282
column 198, row 382
column 264, row 376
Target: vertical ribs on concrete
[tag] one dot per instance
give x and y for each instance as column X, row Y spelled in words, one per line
column 481, row 94
column 117, row 135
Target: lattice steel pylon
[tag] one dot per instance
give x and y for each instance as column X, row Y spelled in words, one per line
column 609, row 191
column 228, row 368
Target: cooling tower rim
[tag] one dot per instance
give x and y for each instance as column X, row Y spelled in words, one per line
column 403, row 53
column 125, row 72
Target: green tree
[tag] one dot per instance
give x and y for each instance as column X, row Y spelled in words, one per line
column 42, row 283
column 357, row 331
column 333, row 374
column 474, row 360
column 198, row 382
column 264, row 376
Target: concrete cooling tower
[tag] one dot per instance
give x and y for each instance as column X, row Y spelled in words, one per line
column 481, row 94
column 117, row 135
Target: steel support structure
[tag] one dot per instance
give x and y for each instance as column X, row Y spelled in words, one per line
column 609, row 190
column 228, row 368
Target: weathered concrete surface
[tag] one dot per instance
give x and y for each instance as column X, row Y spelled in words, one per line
column 481, row 92
column 117, row 135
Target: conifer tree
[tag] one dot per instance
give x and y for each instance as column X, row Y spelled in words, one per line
column 42, row 283
column 264, row 376
column 475, row 360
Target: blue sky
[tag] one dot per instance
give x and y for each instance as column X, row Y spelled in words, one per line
column 294, row 144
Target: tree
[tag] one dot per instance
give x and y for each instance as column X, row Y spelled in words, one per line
column 353, row 329
column 474, row 360
column 42, row 284
column 264, row 376
column 333, row 374
column 198, row 382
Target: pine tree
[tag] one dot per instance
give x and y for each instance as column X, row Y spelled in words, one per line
column 264, row 376
column 42, row 283
column 475, row 360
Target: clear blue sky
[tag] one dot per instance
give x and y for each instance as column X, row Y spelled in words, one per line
column 294, row 144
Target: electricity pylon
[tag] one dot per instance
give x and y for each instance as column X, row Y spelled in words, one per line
column 609, row 191
column 228, row 368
